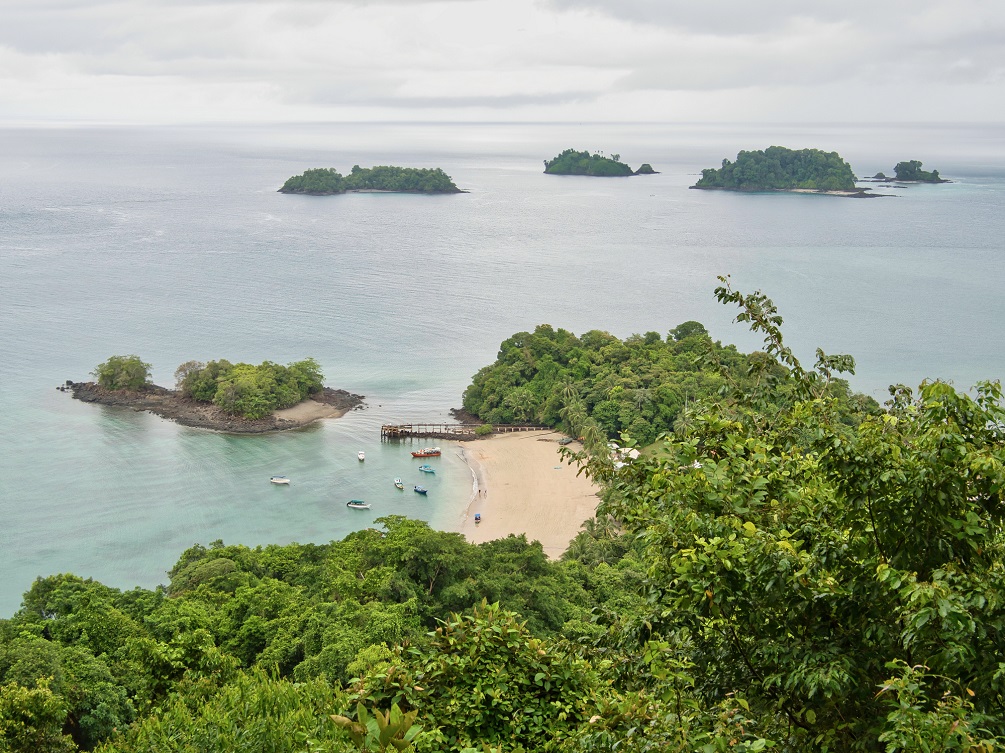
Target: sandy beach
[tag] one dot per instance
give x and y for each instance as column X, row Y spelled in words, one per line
column 523, row 486
column 310, row 410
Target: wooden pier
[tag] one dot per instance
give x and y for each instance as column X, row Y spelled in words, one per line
column 447, row 431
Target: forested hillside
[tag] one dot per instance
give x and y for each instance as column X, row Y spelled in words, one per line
column 642, row 385
column 799, row 574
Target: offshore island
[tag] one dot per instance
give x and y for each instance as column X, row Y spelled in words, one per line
column 327, row 181
column 234, row 398
column 571, row 162
column 790, row 170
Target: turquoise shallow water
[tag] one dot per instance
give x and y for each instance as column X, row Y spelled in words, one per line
column 173, row 244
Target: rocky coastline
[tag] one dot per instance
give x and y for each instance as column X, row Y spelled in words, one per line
column 172, row 405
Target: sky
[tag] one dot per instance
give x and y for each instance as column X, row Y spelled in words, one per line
column 197, row 61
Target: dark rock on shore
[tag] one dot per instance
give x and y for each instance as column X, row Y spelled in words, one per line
column 172, row 405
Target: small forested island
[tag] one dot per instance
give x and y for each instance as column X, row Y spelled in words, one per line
column 780, row 169
column 787, row 567
column 327, row 181
column 237, row 398
column 911, row 172
column 571, row 162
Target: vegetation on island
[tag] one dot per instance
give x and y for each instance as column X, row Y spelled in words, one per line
column 778, row 168
column 911, row 170
column 571, row 162
column 250, row 391
column 326, row 181
column 240, row 389
column 122, row 373
column 806, row 573
column 642, row 385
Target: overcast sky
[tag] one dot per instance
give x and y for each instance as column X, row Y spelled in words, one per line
column 632, row 60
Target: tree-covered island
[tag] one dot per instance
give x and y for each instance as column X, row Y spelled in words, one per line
column 780, row 169
column 218, row 395
column 571, row 162
column 911, row 171
column 327, row 181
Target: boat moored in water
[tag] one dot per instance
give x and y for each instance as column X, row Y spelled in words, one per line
column 427, row 452
column 420, row 489
column 280, row 480
column 361, row 455
column 398, row 483
column 357, row 504
column 427, row 469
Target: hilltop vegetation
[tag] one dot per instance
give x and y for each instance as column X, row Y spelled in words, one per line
column 778, row 168
column 642, row 385
column 795, row 573
column 326, row 181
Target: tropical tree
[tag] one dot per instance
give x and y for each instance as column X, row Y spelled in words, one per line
column 122, row 373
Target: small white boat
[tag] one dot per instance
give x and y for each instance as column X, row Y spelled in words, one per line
column 361, row 455
column 399, row 484
column 280, row 480
column 357, row 504
column 427, row 469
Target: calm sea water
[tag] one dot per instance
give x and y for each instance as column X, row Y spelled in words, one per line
column 173, row 244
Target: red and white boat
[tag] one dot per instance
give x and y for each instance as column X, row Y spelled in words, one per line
column 427, row 452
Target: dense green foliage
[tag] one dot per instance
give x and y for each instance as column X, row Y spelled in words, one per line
column 122, row 373
column 912, row 171
column 795, row 573
column 779, row 168
column 380, row 178
column 178, row 657
column 571, row 162
column 848, row 577
column 250, row 391
column 640, row 386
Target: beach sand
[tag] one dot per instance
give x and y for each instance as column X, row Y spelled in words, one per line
column 523, row 486
column 310, row 410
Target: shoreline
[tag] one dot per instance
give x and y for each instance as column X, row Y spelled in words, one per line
column 520, row 485
column 171, row 405
column 857, row 193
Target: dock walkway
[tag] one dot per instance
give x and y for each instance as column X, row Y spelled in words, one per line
column 447, row 431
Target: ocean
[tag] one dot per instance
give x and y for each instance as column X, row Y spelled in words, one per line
column 173, row 244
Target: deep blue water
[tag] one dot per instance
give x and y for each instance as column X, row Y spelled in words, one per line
column 173, row 244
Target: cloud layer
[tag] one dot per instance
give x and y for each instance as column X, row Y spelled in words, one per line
column 197, row 60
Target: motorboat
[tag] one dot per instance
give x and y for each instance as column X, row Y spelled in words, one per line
column 398, row 483
column 361, row 455
column 427, row 469
column 420, row 489
column 427, row 452
column 280, row 480
column 357, row 504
